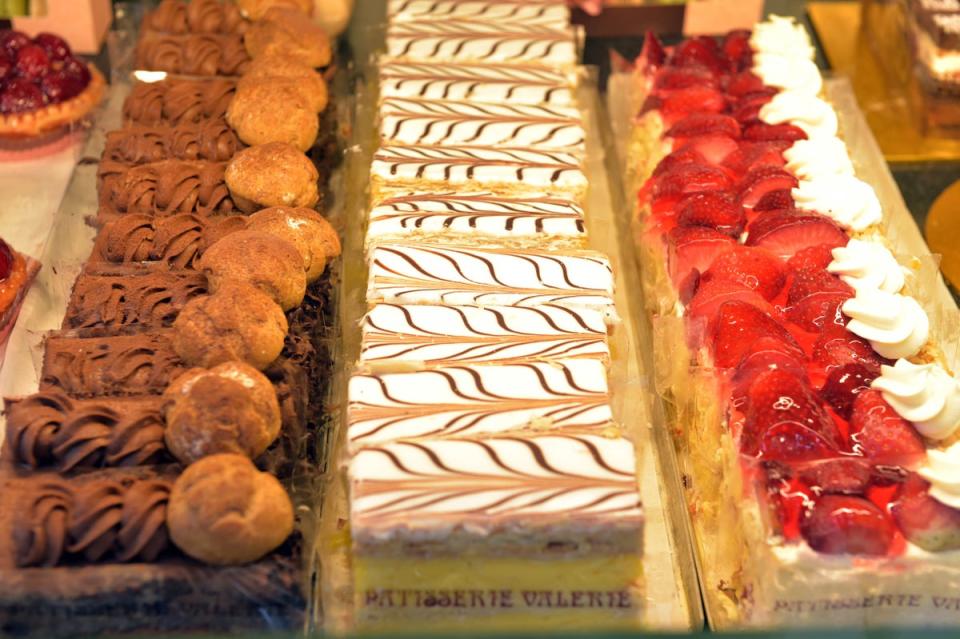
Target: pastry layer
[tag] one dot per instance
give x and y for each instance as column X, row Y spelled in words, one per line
column 428, row 274
column 465, row 400
column 450, row 123
column 430, row 335
column 474, row 41
column 447, row 216
column 477, row 167
column 549, row 12
column 494, row 83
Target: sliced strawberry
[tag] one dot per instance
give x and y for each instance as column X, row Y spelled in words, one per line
column 694, row 247
column 690, row 178
column 738, row 326
column 743, row 83
column 746, row 109
column 700, row 51
column 847, row 525
column 684, row 78
column 752, row 155
column 761, row 181
column 688, row 286
column 712, row 295
column 684, row 155
column 926, row 522
column 679, row 103
column 815, row 297
column 652, row 54
column 791, row 442
column 813, row 257
column 761, row 131
column 841, row 475
column 844, row 384
column 785, row 232
column 769, row 352
column 713, row 209
column 778, row 397
column 736, row 48
column 713, row 148
column 754, row 268
column 698, row 124
column 777, row 200
column 837, row 346
column 882, row 435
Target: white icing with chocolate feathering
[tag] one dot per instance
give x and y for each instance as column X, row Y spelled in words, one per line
column 445, row 123
column 549, row 12
column 484, row 214
column 474, row 41
column 461, row 165
column 466, row 400
column 493, row 83
column 480, row 483
column 431, row 274
column 435, row 334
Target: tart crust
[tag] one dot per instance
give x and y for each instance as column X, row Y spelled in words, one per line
column 52, row 116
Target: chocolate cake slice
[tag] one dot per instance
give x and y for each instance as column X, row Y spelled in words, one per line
column 91, row 555
column 178, row 101
column 192, row 54
column 211, row 140
column 164, row 188
column 130, row 296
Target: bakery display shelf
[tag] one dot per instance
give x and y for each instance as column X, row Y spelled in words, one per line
column 671, row 601
column 66, row 251
column 874, row 588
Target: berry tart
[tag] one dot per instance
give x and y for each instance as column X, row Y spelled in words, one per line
column 16, row 273
column 815, row 415
column 43, row 86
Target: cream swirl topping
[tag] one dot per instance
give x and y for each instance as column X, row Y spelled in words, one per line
column 810, row 113
column 866, row 264
column 782, row 35
column 787, row 73
column 942, row 470
column 924, row 394
column 849, row 201
column 825, row 155
column 895, row 325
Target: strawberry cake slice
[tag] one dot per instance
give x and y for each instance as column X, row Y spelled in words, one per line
column 816, row 417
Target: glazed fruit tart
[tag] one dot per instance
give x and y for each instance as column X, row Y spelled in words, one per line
column 43, row 86
column 16, row 273
column 814, row 411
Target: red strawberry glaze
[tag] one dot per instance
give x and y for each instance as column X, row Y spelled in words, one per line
column 829, row 460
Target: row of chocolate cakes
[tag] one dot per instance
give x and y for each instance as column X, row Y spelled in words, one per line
column 484, row 454
column 149, row 483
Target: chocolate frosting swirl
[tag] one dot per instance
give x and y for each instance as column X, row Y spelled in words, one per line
column 192, row 54
column 178, row 240
column 178, row 101
column 131, row 297
column 121, row 520
column 209, row 140
column 51, row 429
column 165, row 188
column 195, row 16
column 120, row 365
